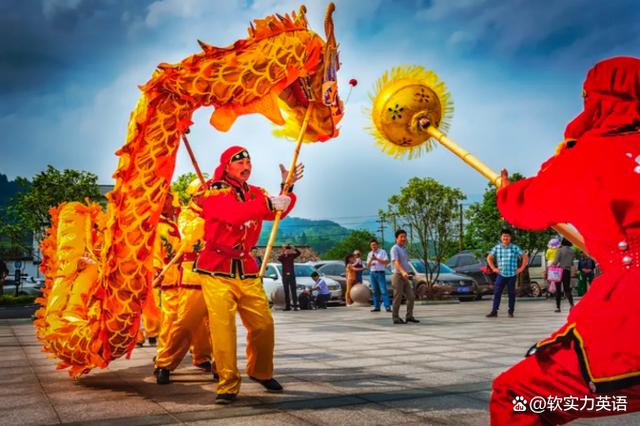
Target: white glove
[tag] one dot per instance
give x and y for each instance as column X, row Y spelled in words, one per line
column 280, row 202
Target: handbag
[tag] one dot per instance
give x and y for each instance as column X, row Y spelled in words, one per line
column 552, row 287
column 554, row 274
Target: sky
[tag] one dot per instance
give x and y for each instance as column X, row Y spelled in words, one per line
column 69, row 71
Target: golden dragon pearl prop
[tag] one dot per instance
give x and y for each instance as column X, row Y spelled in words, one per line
column 410, row 106
column 282, row 64
column 402, row 97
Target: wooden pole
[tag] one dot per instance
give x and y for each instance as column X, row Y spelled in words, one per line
column 193, row 158
column 285, row 190
column 180, row 252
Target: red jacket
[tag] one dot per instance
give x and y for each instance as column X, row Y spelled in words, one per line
column 602, row 154
column 233, row 215
column 606, row 321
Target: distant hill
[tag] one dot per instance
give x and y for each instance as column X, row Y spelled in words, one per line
column 8, row 189
column 319, row 234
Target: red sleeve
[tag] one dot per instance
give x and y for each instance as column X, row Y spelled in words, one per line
column 224, row 207
column 544, row 200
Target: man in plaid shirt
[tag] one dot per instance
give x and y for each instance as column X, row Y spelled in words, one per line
column 506, row 256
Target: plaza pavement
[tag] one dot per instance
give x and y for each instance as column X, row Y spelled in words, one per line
column 342, row 366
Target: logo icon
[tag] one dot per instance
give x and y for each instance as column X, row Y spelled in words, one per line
column 519, row 404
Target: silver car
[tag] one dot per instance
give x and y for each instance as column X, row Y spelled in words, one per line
column 448, row 283
column 273, row 280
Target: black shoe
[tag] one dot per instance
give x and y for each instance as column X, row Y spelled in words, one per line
column 295, row 308
column 412, row 319
column 153, row 341
column 398, row 321
column 271, row 385
column 204, row 366
column 287, row 309
column 375, row 310
column 225, row 398
column 163, row 377
column 557, row 310
column 510, row 314
column 388, row 309
column 493, row 314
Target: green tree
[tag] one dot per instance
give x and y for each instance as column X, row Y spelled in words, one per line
column 356, row 240
column 485, row 222
column 179, row 186
column 431, row 209
column 28, row 211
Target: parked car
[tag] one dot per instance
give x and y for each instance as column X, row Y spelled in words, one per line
column 335, row 270
column 537, row 276
column 273, row 280
column 467, row 263
column 447, row 283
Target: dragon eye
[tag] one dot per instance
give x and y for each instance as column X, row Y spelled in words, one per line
column 571, row 143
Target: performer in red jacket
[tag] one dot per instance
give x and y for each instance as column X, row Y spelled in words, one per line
column 596, row 354
column 233, row 212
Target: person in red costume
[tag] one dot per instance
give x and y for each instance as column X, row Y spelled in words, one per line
column 233, row 212
column 597, row 352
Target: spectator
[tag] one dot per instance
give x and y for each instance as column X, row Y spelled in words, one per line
column 305, row 300
column 564, row 259
column 505, row 255
column 377, row 261
column 256, row 256
column 586, row 273
column 287, row 258
column 351, row 277
column 552, row 249
column 402, row 284
column 550, row 254
column 358, row 265
column 4, row 271
column 323, row 291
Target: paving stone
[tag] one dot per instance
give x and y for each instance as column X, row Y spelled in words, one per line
column 341, row 366
column 366, row 414
column 129, row 406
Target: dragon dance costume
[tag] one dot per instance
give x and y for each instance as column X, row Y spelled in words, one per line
column 184, row 319
column 233, row 213
column 597, row 351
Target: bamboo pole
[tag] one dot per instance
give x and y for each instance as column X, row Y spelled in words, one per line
column 193, row 158
column 180, row 251
column 486, row 171
column 285, row 190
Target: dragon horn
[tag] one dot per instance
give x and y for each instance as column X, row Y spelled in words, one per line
column 328, row 25
column 301, row 18
column 206, row 47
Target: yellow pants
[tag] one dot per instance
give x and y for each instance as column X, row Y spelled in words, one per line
column 185, row 326
column 224, row 297
column 152, row 323
column 170, row 298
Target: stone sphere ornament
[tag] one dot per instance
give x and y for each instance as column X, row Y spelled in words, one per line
column 277, row 297
column 360, row 294
column 406, row 100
